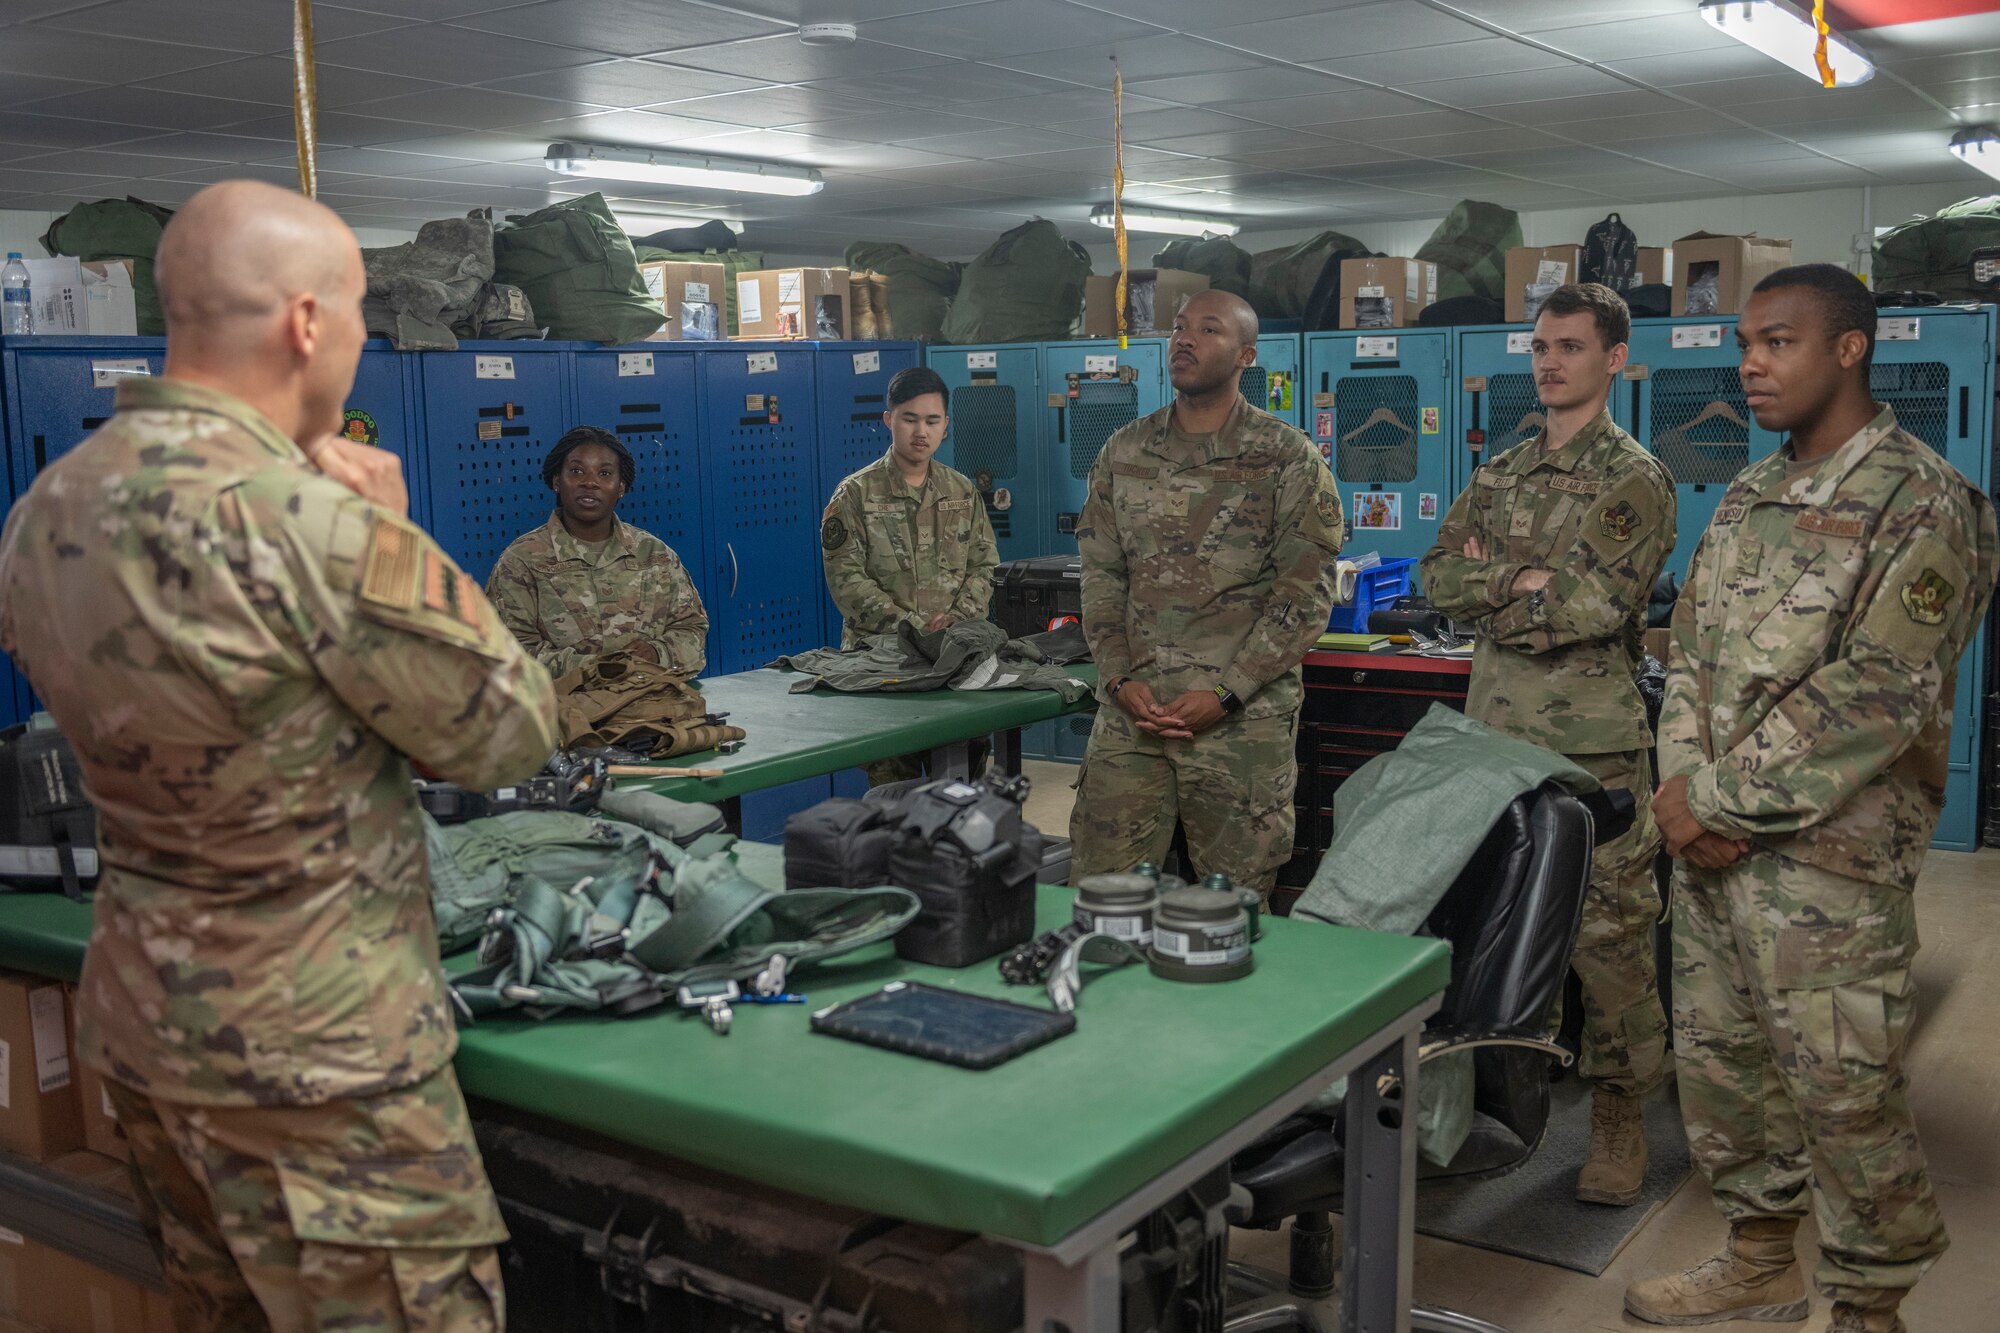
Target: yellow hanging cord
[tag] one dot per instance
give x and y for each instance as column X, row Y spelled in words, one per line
column 305, row 98
column 1819, row 49
column 1118, row 192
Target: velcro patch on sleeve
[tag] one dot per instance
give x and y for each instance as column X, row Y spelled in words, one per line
column 1917, row 603
column 395, row 558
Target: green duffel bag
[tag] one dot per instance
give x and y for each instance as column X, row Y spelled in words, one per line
column 579, row 270
column 1934, row 254
column 1225, row 263
column 1025, row 287
column 1282, row 280
column 125, row 228
column 1470, row 250
column 919, row 289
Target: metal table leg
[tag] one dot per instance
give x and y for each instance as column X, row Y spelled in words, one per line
column 952, row 761
column 1007, row 750
column 1071, row 1298
column 1381, row 1191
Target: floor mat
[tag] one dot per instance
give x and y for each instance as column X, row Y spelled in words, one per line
column 1533, row 1213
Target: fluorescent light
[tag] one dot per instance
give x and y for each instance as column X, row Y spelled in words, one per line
column 1784, row 32
column 1173, row 224
column 663, row 168
column 1979, row 146
column 645, row 224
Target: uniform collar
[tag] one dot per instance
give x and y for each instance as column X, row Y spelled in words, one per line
column 161, row 394
column 1576, row 448
column 1225, row 443
column 1818, row 485
column 902, row 490
column 567, row 547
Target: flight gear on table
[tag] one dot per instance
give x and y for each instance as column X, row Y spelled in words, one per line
column 968, row 855
column 639, row 707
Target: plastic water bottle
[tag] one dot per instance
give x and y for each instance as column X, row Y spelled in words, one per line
column 17, row 312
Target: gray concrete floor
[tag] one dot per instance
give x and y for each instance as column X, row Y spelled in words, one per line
column 1954, row 1064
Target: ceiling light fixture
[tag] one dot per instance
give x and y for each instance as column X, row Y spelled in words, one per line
column 1980, row 147
column 1784, row 32
column 1172, row 224
column 663, row 168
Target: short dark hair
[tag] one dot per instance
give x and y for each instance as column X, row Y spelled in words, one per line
column 578, row 436
column 1843, row 299
column 916, row 381
column 1606, row 307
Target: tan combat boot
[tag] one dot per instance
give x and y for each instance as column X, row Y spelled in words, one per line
column 1854, row 1319
column 1756, row 1277
column 1617, row 1165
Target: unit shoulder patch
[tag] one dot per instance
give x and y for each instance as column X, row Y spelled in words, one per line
column 1619, row 522
column 832, row 533
column 1927, row 597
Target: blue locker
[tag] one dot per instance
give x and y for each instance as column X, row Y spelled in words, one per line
column 1689, row 411
column 1497, row 405
column 997, row 413
column 382, row 410
column 491, row 411
column 1099, row 389
column 1384, row 432
column 1273, row 383
column 647, row 396
column 853, row 379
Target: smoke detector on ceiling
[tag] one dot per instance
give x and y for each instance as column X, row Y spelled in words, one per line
column 826, row 34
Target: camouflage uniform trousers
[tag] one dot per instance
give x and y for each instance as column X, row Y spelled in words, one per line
column 1624, row 1025
column 369, row 1214
column 1231, row 786
column 1793, row 1001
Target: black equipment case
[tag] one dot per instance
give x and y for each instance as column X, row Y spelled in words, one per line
column 1035, row 594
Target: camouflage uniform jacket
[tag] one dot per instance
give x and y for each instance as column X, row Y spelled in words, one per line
column 1211, row 568
column 242, row 652
column 569, row 603
column 1815, row 652
column 894, row 552
column 1558, row 668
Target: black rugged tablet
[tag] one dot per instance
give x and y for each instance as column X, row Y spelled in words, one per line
column 918, row 1019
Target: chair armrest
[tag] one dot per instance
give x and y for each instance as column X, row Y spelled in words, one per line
column 1443, row 1041
column 1612, row 813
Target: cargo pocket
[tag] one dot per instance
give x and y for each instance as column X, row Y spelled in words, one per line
column 435, row 1201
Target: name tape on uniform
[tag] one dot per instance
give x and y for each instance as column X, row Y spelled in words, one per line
column 1697, row 335
column 1374, row 347
column 867, row 363
column 493, row 368
column 633, row 364
column 760, row 363
column 110, row 374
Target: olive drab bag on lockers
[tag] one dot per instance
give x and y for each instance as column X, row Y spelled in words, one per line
column 1611, row 255
column 117, row 229
column 1224, row 263
column 1282, row 281
column 1470, row 250
column 1937, row 254
column 1025, row 287
column 911, row 293
column 579, row 270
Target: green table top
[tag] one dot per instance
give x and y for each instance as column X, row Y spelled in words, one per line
column 1029, row 1151
column 798, row 736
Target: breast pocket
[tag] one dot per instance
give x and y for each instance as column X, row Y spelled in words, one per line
column 954, row 533
column 1800, row 596
column 565, row 605
column 1235, row 513
column 1494, row 496
column 1152, row 515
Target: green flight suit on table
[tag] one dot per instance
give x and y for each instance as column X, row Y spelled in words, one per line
column 1560, row 669
column 569, row 602
column 896, row 552
column 242, row 653
column 1809, row 699
column 1206, row 561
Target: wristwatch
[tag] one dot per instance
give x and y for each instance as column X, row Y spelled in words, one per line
column 1230, row 703
column 1117, row 683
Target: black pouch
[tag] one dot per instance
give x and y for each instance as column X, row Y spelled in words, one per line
column 840, row 844
column 965, row 851
column 48, row 830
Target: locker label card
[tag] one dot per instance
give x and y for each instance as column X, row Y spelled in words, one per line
column 1698, row 335
column 1898, row 330
column 760, row 363
column 488, row 430
column 632, row 364
column 753, row 402
column 1381, row 511
column 493, row 367
column 109, row 374
column 982, row 360
column 867, row 363
column 1322, row 399
column 1522, row 343
column 1100, row 365
column 749, row 301
column 1374, row 346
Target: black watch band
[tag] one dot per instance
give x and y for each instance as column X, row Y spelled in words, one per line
column 1230, row 703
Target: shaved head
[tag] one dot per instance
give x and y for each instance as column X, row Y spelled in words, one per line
column 1228, row 306
column 262, row 290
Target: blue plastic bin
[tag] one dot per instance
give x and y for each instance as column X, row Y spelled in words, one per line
column 1379, row 586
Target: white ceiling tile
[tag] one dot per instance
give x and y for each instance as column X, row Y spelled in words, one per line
column 1533, row 86
column 336, row 129
column 205, row 147
column 623, row 27
column 766, row 108
column 889, row 124
column 1429, row 64
column 954, row 83
column 268, row 79
column 102, row 58
column 1201, row 15
column 386, row 162
column 1575, row 115
column 996, row 141
column 218, row 25
column 999, row 28
column 1058, row 108
column 58, row 132
column 1149, row 127
column 1262, row 84
column 1325, row 109
column 424, row 51
column 1411, row 124
column 785, row 60
column 840, row 11
column 1140, row 60
column 1945, row 68
column 775, row 145
column 478, row 146
column 1389, row 25
column 1974, row 95
column 1629, row 39
column 1625, row 129
column 1227, row 143
column 1538, row 16
column 466, row 108
column 1465, row 142
column 18, row 89
column 639, row 129
column 1325, row 156
column 105, row 164
column 624, row 83
column 1735, row 61
column 149, row 108
column 427, row 11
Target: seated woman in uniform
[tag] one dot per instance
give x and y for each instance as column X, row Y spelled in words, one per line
column 585, row 584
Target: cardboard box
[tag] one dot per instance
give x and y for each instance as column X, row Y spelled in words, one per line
column 691, row 296
column 1655, row 641
column 792, row 303
column 1656, row 265
column 1153, row 296
column 1713, row 274
column 1385, row 293
column 49, row 1289
column 74, row 297
column 39, row 1116
column 100, row 1124
column 1542, row 268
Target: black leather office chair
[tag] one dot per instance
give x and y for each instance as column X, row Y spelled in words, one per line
column 1511, row 919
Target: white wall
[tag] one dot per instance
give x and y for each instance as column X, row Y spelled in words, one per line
column 21, row 229
column 1821, row 224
